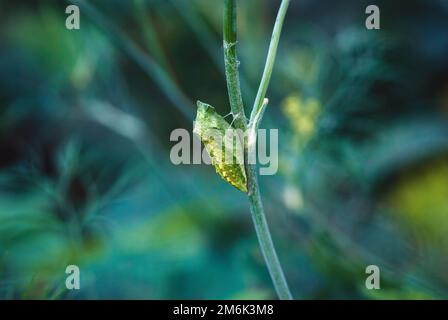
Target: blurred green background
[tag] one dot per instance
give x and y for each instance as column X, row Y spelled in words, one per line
column 86, row 178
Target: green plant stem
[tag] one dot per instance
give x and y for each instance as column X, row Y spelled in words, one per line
column 237, row 108
column 231, row 65
column 272, row 53
column 264, row 236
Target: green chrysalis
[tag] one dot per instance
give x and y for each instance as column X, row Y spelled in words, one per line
column 226, row 155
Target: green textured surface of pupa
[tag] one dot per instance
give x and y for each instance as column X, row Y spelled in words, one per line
column 218, row 137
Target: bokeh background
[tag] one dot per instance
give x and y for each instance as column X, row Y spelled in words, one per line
column 86, row 177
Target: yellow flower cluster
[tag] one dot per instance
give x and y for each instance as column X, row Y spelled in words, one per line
column 303, row 115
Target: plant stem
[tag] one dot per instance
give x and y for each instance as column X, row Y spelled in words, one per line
column 264, row 236
column 237, row 108
column 231, row 65
column 272, row 52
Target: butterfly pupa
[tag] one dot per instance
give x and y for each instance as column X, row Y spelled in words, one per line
column 225, row 149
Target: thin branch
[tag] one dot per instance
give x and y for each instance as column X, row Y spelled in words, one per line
column 236, row 104
column 231, row 65
column 264, row 236
column 272, row 52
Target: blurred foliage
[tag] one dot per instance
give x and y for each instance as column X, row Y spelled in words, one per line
column 85, row 175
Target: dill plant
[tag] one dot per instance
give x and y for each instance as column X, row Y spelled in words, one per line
column 245, row 179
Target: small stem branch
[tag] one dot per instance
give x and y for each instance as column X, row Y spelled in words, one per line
column 236, row 104
column 272, row 52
